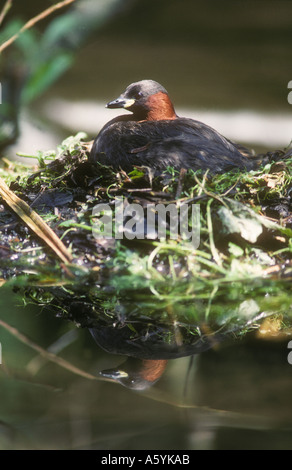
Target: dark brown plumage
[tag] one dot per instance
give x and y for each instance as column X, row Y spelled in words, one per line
column 154, row 136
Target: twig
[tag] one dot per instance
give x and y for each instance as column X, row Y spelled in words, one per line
column 35, row 20
column 46, row 354
column 213, row 248
column 5, row 10
column 182, row 175
column 34, row 222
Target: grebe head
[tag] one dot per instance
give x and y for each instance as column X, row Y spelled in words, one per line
column 147, row 100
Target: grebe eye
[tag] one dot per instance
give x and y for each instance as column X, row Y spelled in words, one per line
column 138, row 94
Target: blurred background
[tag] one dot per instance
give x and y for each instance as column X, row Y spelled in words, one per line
column 227, row 63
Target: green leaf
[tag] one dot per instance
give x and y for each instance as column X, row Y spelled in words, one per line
column 235, row 250
column 46, row 74
column 10, row 29
column 242, row 221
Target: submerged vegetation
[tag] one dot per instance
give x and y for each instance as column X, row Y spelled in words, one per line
column 162, row 290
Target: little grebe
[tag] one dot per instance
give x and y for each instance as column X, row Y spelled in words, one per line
column 154, row 136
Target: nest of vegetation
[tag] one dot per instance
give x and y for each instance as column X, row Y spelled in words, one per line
column 237, row 279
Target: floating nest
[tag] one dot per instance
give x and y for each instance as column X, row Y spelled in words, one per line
column 150, row 297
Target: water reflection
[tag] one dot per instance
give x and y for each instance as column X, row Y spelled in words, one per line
column 148, row 353
column 234, row 396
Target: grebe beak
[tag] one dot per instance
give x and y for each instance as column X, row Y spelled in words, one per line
column 120, row 103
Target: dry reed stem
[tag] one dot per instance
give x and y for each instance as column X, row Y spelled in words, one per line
column 33, row 21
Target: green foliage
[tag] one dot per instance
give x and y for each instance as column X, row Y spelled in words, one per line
column 45, row 74
column 43, row 56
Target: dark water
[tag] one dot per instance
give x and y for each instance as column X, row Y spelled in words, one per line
column 236, row 396
column 212, row 55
